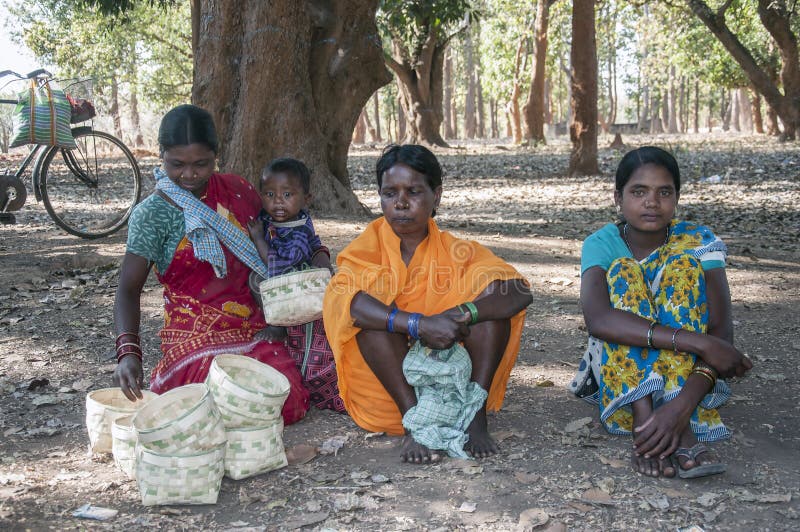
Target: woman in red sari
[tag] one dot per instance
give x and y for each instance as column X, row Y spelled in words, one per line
column 208, row 308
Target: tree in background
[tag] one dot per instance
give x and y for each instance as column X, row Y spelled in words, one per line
column 583, row 128
column 417, row 34
column 534, row 108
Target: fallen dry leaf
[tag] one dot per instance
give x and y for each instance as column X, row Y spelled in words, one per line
column 532, row 518
column 597, row 496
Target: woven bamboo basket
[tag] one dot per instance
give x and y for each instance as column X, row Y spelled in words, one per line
column 252, row 451
column 123, row 445
column 105, row 405
column 190, row 479
column 247, row 392
column 184, row 420
column 294, row 298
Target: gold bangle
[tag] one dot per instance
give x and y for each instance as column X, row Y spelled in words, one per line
column 706, row 375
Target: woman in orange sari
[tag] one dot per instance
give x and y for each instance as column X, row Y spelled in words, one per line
column 403, row 279
column 192, row 231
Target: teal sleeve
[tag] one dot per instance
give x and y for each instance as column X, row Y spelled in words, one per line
column 155, row 229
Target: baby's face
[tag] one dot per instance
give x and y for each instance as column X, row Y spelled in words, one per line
column 282, row 196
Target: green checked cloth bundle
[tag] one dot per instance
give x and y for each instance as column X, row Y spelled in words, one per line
column 103, row 406
column 294, row 298
column 250, row 396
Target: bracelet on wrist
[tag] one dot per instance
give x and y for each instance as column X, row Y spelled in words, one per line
column 650, row 335
column 473, row 312
column 413, row 325
column 674, row 334
column 390, row 319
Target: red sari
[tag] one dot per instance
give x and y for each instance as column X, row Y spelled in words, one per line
column 205, row 316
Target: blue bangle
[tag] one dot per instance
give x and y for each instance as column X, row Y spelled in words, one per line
column 413, row 325
column 390, row 319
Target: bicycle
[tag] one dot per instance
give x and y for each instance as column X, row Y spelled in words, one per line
column 89, row 191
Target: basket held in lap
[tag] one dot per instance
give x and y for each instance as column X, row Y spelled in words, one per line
column 247, row 392
column 294, row 298
column 105, row 405
column 184, row 420
column 191, row 479
column 254, row 450
column 123, row 445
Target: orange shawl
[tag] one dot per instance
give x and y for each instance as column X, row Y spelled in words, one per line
column 443, row 273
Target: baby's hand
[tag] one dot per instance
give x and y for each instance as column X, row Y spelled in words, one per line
column 256, row 229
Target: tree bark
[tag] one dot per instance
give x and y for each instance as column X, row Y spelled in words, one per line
column 734, row 112
column 583, row 55
column 495, row 132
column 776, row 18
column 370, row 128
column 755, row 107
column 672, row 109
column 289, row 78
column 512, row 107
column 644, row 114
column 470, row 120
column 421, row 88
column 696, row 116
column 376, row 109
column 448, row 96
column 745, row 112
column 114, row 108
column 534, row 108
column 360, row 131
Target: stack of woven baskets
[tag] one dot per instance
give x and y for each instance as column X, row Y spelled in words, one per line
column 250, row 397
column 179, row 445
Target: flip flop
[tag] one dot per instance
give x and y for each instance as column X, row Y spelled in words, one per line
column 700, row 470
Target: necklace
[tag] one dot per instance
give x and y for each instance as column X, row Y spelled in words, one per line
column 625, row 237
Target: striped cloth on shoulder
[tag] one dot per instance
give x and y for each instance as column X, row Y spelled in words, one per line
column 205, row 229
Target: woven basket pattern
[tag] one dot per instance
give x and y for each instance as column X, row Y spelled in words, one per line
column 193, row 479
column 253, row 451
column 247, row 392
column 294, row 298
column 105, row 405
column 181, row 421
column 123, row 445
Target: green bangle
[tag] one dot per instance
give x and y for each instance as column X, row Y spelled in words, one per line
column 473, row 312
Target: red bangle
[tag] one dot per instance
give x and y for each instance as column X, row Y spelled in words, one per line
column 127, row 334
column 129, row 349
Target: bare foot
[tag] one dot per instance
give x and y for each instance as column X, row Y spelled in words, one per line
column 480, row 443
column 652, row 467
column 416, row 453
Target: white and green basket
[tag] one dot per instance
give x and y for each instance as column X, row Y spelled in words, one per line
column 247, row 392
column 123, row 445
column 190, row 479
column 294, row 298
column 105, row 405
column 254, row 450
column 182, row 421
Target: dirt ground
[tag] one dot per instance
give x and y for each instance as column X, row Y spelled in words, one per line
column 557, row 468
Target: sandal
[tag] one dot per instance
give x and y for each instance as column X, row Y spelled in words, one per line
column 699, row 470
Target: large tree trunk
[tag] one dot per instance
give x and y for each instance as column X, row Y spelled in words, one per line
column 696, row 114
column 289, row 78
column 672, row 109
column 776, row 18
column 644, row 114
column 360, row 131
column 745, row 113
column 138, row 139
column 512, row 108
column 534, row 108
column 583, row 55
column 734, row 112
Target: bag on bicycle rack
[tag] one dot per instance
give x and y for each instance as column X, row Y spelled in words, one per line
column 42, row 116
column 81, row 110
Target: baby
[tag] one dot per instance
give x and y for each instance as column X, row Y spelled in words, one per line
column 283, row 234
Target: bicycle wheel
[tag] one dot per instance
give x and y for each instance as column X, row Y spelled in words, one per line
column 91, row 190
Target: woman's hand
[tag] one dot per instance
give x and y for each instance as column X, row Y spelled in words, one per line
column 256, row 230
column 441, row 331
column 129, row 377
column 723, row 357
column 660, row 433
